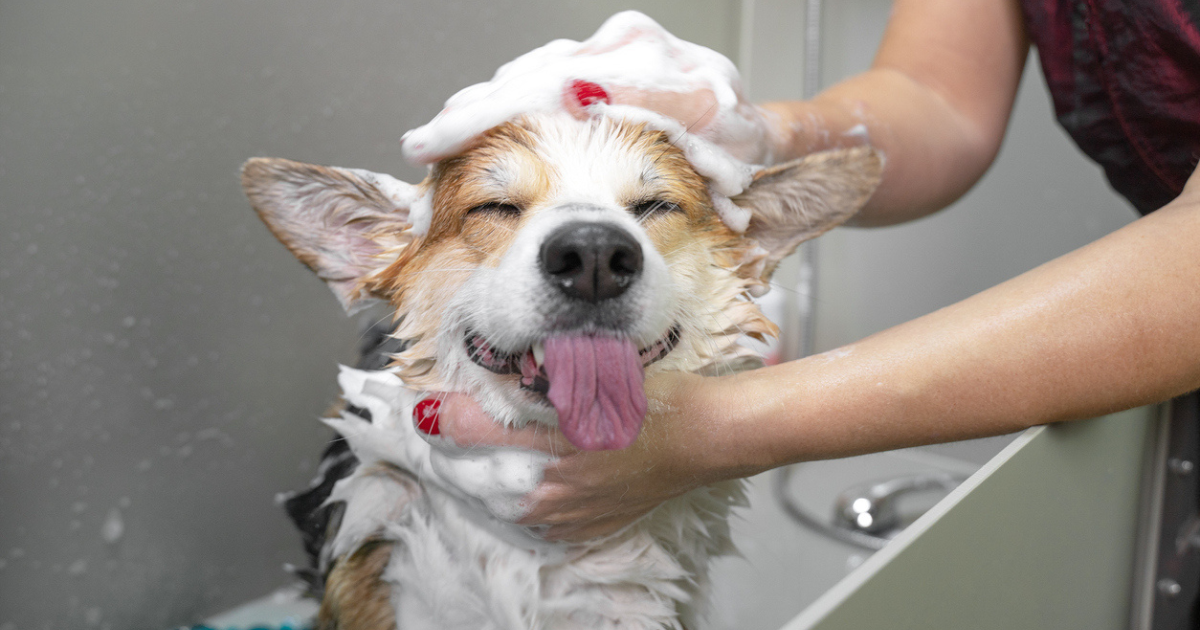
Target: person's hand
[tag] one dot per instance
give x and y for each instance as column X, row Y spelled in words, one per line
column 586, row 494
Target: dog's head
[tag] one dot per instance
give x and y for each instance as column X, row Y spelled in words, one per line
column 548, row 266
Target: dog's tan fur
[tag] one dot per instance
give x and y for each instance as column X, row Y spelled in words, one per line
column 356, row 596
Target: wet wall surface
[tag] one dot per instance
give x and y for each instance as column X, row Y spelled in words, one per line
column 163, row 360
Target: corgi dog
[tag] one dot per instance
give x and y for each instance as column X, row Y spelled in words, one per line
column 545, row 270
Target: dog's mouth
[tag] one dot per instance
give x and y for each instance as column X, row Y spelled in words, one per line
column 593, row 381
column 531, row 364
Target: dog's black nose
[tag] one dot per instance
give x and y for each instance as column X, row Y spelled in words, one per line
column 591, row 261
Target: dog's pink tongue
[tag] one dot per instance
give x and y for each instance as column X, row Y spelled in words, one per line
column 596, row 386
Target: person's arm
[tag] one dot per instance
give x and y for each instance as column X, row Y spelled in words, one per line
column 1113, row 325
column 936, row 101
column 1110, row 326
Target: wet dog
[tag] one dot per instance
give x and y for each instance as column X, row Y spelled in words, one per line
column 545, row 271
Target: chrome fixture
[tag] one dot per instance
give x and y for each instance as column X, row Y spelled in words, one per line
column 866, row 515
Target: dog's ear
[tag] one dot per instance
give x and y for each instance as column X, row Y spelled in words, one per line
column 795, row 201
column 343, row 223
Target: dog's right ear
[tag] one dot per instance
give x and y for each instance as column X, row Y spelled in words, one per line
column 344, row 224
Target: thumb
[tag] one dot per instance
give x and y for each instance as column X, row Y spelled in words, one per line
column 466, row 424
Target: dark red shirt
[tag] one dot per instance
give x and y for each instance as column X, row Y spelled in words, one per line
column 1125, row 79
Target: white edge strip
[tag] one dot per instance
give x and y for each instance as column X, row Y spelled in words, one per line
column 834, row 597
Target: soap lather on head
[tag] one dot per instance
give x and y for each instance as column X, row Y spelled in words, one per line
column 630, row 59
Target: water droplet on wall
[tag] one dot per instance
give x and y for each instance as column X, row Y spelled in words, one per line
column 113, row 528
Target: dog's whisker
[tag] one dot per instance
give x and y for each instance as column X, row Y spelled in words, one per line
column 553, row 443
column 701, row 117
column 796, row 291
column 668, row 254
column 501, row 226
column 367, row 329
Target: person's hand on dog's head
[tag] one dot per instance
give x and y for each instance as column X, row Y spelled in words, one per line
column 631, row 63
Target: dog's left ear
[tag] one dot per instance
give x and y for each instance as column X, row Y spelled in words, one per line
column 344, row 224
column 795, row 201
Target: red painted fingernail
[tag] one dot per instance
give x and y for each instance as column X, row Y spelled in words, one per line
column 425, row 414
column 587, row 92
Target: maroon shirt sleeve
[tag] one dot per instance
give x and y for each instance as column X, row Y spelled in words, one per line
column 1125, row 79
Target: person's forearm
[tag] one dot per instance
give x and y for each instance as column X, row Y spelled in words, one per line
column 1110, row 326
column 933, row 153
column 936, row 102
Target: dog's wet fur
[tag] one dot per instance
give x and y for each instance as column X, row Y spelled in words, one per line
column 479, row 272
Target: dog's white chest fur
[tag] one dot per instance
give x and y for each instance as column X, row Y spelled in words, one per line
column 453, row 565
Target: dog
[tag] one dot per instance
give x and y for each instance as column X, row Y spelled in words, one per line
column 544, row 270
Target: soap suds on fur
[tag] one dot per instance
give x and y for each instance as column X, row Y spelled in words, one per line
column 629, row 51
column 497, row 479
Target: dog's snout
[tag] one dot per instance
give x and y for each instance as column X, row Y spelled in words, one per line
column 591, row 261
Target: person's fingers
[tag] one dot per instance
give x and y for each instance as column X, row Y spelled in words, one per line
column 461, row 420
column 578, row 95
column 559, row 520
column 575, row 532
column 551, row 512
column 694, row 109
column 554, row 505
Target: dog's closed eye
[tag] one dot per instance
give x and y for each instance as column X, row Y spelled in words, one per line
column 497, row 208
column 651, row 207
